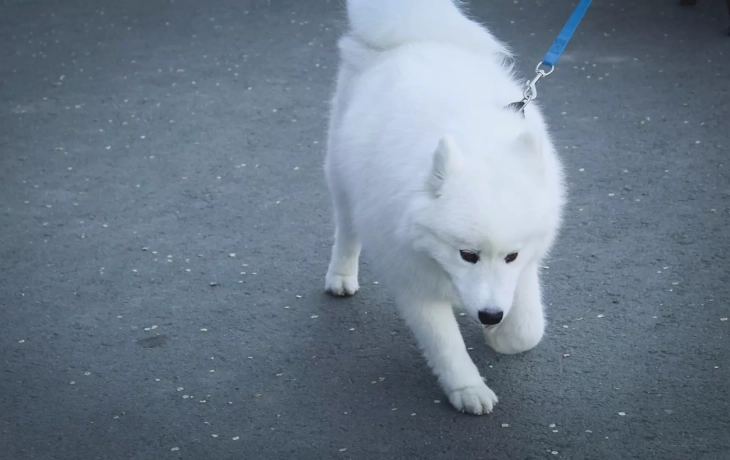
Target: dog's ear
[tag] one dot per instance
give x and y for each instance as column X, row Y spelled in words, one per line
column 445, row 159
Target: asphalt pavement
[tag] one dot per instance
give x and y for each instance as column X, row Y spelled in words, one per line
column 165, row 230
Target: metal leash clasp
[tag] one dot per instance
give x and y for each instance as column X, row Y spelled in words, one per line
column 530, row 92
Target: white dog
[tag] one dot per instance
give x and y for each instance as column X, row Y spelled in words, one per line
column 456, row 197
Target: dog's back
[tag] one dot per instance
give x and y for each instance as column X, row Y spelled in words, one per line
column 386, row 24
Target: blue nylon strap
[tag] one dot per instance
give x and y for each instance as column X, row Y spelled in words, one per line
column 561, row 42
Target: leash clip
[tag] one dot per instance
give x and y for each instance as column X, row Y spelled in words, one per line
column 530, row 92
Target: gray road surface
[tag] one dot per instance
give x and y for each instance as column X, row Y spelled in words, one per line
column 165, row 230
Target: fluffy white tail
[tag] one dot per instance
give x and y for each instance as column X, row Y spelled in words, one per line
column 386, row 24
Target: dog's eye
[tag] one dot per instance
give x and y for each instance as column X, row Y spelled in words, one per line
column 511, row 257
column 469, row 256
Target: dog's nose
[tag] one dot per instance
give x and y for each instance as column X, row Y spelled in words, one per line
column 489, row 318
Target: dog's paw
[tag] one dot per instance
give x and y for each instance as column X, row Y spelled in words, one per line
column 508, row 341
column 477, row 399
column 340, row 285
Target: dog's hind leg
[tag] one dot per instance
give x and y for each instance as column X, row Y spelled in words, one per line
column 524, row 326
column 438, row 335
column 341, row 279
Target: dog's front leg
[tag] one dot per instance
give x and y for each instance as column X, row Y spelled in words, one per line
column 438, row 335
column 524, row 326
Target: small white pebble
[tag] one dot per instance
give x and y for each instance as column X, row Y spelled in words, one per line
column 314, row 316
column 180, row 388
column 87, row 373
column 413, row 414
column 505, row 425
column 175, row 449
column 600, row 316
column 72, row 382
column 235, row 438
column 566, row 355
column 552, row 425
column 721, row 319
column 23, row 340
column 622, row 413
column 203, row 329
column 214, row 435
column 352, row 329
column 343, row 449
column 555, row 452
column 436, row 401
column 212, row 370
column 233, row 254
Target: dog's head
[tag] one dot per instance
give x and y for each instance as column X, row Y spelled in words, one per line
column 484, row 221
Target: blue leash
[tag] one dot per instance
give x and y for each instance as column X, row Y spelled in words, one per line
column 553, row 54
column 564, row 36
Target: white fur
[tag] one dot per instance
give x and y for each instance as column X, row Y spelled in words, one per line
column 423, row 161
